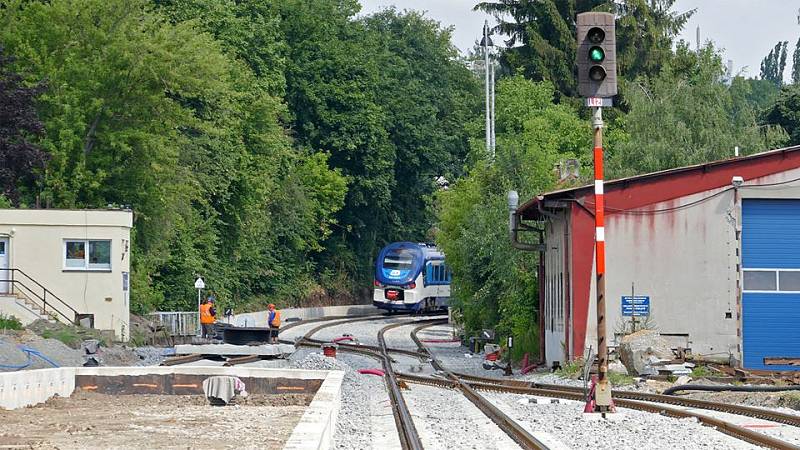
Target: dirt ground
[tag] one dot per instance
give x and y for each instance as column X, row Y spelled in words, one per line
column 90, row 421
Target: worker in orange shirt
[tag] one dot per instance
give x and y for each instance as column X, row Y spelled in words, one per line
column 208, row 315
column 274, row 322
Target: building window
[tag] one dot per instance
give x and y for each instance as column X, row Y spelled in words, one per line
column 772, row 280
column 87, row 255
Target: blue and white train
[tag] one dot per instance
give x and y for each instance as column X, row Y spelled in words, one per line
column 411, row 277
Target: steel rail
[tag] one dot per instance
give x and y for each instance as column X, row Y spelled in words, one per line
column 741, row 410
column 514, row 430
column 735, row 431
column 409, row 438
column 177, row 360
column 634, row 400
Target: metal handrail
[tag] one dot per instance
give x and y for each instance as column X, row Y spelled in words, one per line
column 42, row 298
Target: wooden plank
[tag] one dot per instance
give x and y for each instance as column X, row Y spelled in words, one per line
column 781, row 361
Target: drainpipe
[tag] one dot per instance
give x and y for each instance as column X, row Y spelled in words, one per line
column 515, row 225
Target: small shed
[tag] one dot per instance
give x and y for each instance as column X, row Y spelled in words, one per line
column 714, row 248
column 71, row 266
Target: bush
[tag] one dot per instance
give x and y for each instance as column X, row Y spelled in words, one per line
column 9, row 323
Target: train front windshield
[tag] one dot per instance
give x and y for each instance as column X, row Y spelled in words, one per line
column 400, row 259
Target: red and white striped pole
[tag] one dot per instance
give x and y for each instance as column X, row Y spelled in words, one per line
column 602, row 391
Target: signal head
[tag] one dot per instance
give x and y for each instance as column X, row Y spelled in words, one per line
column 596, row 35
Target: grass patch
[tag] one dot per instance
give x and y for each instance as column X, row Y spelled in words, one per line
column 66, row 335
column 702, row 371
column 572, row 369
column 619, row 379
column 9, row 323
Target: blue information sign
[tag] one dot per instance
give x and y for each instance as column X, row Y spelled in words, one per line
column 636, row 306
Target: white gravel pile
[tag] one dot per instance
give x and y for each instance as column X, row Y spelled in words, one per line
column 363, row 397
column 634, row 430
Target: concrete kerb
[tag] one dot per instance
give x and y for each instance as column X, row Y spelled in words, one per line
column 314, row 431
column 318, row 424
column 259, row 318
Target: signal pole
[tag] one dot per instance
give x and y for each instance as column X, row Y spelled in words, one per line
column 597, row 81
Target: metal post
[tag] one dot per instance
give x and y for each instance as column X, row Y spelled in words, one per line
column 633, row 313
column 603, row 390
column 486, row 69
column 199, row 326
column 491, row 94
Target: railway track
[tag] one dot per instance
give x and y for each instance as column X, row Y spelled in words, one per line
column 471, row 385
column 634, row 400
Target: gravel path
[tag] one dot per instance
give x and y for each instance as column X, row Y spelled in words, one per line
column 445, row 419
column 634, row 430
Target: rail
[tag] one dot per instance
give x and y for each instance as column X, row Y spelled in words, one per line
column 19, row 281
column 176, row 323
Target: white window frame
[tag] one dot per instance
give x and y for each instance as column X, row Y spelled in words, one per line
column 777, row 281
column 87, row 267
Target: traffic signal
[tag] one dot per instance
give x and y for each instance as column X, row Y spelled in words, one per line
column 596, row 55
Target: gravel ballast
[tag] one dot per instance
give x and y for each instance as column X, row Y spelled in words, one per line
column 365, row 418
column 446, row 420
column 634, row 430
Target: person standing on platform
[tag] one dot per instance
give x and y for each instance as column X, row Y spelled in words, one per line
column 274, row 323
column 207, row 318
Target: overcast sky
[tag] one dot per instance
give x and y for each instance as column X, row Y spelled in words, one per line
column 745, row 29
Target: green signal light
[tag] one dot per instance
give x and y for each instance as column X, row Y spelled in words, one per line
column 596, row 54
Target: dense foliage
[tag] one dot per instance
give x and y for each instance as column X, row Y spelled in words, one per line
column 20, row 159
column 542, row 36
column 266, row 145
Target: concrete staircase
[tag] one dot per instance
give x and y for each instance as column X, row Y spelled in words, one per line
column 24, row 309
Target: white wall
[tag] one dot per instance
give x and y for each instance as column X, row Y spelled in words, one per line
column 686, row 261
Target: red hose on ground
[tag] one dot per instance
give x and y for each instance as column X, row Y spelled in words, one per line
column 342, row 338
column 378, row 372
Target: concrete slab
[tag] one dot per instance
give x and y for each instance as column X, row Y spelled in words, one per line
column 235, row 350
column 259, row 318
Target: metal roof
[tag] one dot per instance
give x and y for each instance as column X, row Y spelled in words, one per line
column 631, row 182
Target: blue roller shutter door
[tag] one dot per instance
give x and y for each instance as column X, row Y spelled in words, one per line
column 771, row 282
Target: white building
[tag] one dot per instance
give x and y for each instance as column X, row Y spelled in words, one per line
column 712, row 249
column 67, row 265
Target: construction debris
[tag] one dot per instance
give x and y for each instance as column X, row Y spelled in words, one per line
column 641, row 351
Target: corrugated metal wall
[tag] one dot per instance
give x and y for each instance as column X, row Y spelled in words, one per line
column 771, row 274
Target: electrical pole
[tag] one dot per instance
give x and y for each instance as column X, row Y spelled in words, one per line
column 486, row 42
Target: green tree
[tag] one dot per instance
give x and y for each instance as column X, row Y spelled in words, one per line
column 785, row 112
column 774, row 64
column 495, row 285
column 686, row 115
column 214, row 182
column 542, row 35
column 796, row 63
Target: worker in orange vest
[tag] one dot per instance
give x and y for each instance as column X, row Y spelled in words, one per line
column 274, row 322
column 207, row 317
